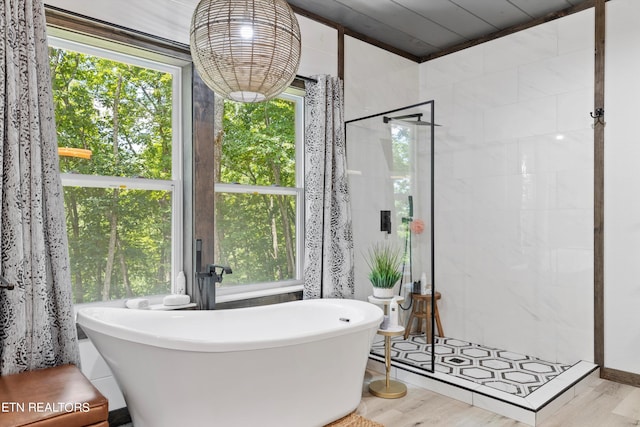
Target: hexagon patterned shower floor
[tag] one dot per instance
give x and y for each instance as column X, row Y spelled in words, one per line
column 503, row 370
column 524, row 388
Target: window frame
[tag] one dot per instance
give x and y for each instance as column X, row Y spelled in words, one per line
column 228, row 292
column 86, row 44
column 197, row 104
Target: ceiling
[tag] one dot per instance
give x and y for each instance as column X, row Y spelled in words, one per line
column 416, row 29
column 423, row 28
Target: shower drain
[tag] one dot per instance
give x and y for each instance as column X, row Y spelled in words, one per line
column 456, row 360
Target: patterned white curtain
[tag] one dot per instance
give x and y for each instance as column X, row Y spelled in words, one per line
column 328, row 266
column 37, row 329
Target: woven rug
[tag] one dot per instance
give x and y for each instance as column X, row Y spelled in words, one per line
column 354, row 420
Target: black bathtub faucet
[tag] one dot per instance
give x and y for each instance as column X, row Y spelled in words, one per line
column 207, row 284
column 217, row 275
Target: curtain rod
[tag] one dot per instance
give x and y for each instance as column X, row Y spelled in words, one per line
column 307, row 79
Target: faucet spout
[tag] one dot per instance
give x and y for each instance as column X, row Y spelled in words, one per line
column 217, row 271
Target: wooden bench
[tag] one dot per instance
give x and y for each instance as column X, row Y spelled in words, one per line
column 52, row 397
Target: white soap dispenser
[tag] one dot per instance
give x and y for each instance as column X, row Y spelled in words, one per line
column 393, row 313
column 181, row 284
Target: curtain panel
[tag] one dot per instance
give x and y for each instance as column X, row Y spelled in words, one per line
column 328, row 258
column 37, row 327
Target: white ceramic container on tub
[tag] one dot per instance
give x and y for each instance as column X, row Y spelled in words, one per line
column 295, row 364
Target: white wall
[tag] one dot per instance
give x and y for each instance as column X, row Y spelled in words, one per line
column 514, row 203
column 96, row 370
column 375, row 81
column 319, row 48
column 171, row 19
column 622, row 187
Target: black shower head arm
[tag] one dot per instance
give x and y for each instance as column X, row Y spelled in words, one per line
column 387, row 119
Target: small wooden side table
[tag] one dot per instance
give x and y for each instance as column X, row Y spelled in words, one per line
column 388, row 388
column 422, row 312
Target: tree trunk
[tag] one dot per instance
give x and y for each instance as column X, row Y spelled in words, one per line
column 274, row 228
column 72, row 211
column 288, row 235
column 125, row 273
column 217, row 165
column 286, row 226
column 113, row 219
column 111, row 254
column 275, row 252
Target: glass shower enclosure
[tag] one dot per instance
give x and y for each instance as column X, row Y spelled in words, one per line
column 391, row 171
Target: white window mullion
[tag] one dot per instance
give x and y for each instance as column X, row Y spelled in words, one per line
column 255, row 189
column 99, row 181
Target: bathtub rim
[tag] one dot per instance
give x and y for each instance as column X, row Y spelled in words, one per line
column 89, row 323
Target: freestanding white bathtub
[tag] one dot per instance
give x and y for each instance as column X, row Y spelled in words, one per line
column 295, row 364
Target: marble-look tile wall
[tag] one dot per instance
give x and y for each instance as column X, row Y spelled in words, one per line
column 622, row 183
column 514, row 199
column 375, row 81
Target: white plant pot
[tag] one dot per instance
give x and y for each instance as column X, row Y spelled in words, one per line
column 383, row 292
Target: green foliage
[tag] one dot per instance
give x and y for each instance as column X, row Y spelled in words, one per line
column 255, row 233
column 122, row 113
column 259, row 143
column 384, row 262
column 402, row 138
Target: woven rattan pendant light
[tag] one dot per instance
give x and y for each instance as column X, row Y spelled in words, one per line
column 245, row 50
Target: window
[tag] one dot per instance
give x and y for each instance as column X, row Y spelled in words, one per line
column 259, row 194
column 119, row 138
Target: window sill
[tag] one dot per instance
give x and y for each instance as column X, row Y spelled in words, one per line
column 162, row 307
column 155, row 301
column 258, row 293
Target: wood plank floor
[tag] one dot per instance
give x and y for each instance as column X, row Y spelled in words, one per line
column 601, row 404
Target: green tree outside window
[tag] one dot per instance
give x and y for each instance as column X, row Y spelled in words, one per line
column 119, row 238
